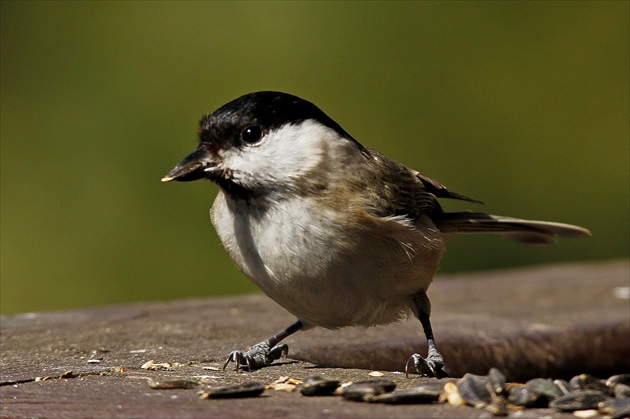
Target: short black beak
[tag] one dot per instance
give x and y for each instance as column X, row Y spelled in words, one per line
column 197, row 165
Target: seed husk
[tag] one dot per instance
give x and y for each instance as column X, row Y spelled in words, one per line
column 414, row 395
column 578, row 400
column 588, row 382
column 318, row 386
column 252, row 389
column 452, row 394
column 545, row 387
column 618, row 379
column 615, row 408
column 563, row 385
column 497, row 380
column 433, row 387
column 363, row 391
column 522, row 395
column 498, row 407
column 621, row 391
column 475, row 389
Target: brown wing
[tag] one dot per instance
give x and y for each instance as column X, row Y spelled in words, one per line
column 394, row 189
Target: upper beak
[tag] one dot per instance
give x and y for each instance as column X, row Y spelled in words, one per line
column 194, row 166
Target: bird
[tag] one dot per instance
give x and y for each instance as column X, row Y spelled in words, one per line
column 333, row 231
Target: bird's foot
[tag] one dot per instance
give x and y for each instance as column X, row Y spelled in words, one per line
column 434, row 362
column 258, row 356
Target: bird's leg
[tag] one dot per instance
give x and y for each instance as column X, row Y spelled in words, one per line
column 421, row 307
column 265, row 352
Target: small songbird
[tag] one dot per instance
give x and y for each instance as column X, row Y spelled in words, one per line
column 336, row 233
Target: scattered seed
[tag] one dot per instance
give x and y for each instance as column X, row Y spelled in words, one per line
column 452, row 394
column 67, row 374
column 319, row 386
column 497, row 380
column 585, row 413
column 498, row 406
column 285, row 383
column 588, row 382
column 584, row 395
column 281, row 387
column 578, row 400
column 618, row 379
column 365, row 390
column 544, row 388
column 223, row 392
column 521, row 395
column 436, row 388
column 621, row 391
column 474, row 389
column 414, row 395
column 152, row 365
column 563, row 385
column 615, row 408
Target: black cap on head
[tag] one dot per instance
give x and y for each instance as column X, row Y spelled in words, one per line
column 240, row 123
column 268, row 110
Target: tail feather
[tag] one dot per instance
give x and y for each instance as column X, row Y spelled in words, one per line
column 537, row 233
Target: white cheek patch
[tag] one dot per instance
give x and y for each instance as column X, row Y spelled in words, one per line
column 284, row 154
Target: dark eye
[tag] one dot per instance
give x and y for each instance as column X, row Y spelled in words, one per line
column 252, row 134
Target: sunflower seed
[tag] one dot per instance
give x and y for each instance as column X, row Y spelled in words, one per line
column 497, row 380
column 414, row 395
column 365, row 390
column 578, row 400
column 318, row 386
column 621, row 391
column 475, row 389
column 242, row 390
column 521, row 395
column 545, row 388
column 588, row 382
column 615, row 408
column 618, row 379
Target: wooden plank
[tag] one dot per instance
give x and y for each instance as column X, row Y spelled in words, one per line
column 546, row 321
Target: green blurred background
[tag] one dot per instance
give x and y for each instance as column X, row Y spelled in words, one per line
column 521, row 104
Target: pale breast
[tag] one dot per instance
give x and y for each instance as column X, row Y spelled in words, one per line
column 326, row 270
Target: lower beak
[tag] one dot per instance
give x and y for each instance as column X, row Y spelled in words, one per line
column 197, row 165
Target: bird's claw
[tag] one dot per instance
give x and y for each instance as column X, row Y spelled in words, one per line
column 434, row 362
column 258, row 356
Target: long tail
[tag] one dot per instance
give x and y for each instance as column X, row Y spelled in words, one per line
column 536, row 233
